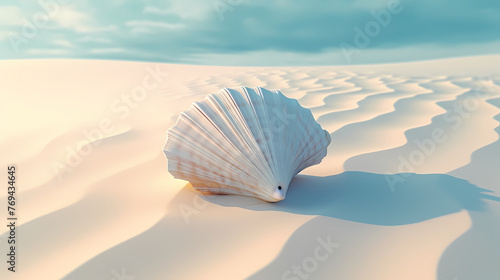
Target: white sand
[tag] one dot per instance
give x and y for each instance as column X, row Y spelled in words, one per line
column 114, row 211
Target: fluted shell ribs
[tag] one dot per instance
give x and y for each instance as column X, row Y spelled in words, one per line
column 245, row 141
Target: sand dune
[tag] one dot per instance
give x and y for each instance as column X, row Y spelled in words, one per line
column 95, row 200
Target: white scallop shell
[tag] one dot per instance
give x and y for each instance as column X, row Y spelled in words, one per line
column 245, row 141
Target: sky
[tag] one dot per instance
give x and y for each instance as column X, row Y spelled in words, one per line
column 250, row 32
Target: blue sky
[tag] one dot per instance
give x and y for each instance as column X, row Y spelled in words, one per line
column 250, row 32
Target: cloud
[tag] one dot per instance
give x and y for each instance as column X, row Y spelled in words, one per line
column 152, row 24
column 156, row 11
column 77, row 21
column 280, row 32
column 93, row 39
column 71, row 19
column 62, row 43
column 11, row 16
column 4, row 35
column 107, row 50
column 194, row 9
column 142, row 30
column 47, row 52
column 334, row 56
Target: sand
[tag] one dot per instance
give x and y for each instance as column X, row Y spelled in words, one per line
column 409, row 189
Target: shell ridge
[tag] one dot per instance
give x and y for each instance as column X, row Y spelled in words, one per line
column 226, row 145
column 270, row 99
column 262, row 126
column 253, row 152
column 249, row 112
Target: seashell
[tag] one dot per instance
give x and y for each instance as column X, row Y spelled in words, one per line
column 244, row 141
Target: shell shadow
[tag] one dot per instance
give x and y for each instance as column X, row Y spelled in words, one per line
column 363, row 198
column 368, row 198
